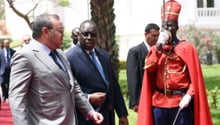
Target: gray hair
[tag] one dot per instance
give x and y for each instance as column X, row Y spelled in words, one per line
column 41, row 21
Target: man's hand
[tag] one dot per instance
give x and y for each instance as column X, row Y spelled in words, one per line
column 185, row 101
column 97, row 98
column 96, row 117
column 123, row 120
column 135, row 108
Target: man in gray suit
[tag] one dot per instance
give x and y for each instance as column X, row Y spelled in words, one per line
column 135, row 64
column 42, row 89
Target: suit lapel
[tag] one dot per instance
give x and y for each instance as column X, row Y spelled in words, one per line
column 51, row 65
column 144, row 48
column 86, row 58
column 67, row 66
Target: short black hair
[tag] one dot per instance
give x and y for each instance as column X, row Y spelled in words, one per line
column 151, row 26
column 75, row 30
column 87, row 21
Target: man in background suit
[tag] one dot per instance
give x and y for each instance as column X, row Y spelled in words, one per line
column 25, row 40
column 42, row 89
column 74, row 35
column 92, row 68
column 135, row 64
column 5, row 54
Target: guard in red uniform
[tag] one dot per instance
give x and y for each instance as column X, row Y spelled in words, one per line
column 173, row 91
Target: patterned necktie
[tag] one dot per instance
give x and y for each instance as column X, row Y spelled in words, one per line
column 98, row 65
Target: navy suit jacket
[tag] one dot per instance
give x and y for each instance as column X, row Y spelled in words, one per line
column 91, row 81
column 134, row 69
column 4, row 67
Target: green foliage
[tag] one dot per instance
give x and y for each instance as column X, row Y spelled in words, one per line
column 211, row 76
column 212, row 82
column 64, row 3
column 217, row 50
column 214, row 95
column 123, row 82
column 15, row 43
column 66, row 40
column 132, row 116
column 122, row 65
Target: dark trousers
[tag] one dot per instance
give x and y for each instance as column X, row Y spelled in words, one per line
column 4, row 90
column 166, row 116
column 5, row 83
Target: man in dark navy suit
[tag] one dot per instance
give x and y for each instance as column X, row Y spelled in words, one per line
column 5, row 54
column 92, row 69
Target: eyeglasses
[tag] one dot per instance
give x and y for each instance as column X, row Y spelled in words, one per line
column 86, row 34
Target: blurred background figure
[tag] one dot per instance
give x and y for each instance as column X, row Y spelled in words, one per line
column 25, row 40
column 135, row 64
column 1, row 46
column 5, row 55
column 74, row 35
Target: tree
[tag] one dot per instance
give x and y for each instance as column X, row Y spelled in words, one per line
column 102, row 14
column 25, row 16
column 22, row 15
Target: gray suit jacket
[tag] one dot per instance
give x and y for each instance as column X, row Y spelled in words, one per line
column 40, row 93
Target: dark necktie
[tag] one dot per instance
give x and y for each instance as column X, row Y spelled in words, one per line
column 53, row 54
column 98, row 65
column 7, row 56
column 55, row 57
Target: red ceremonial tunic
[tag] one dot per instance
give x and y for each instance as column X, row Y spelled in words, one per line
column 172, row 74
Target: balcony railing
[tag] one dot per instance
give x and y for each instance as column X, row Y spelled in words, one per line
column 208, row 12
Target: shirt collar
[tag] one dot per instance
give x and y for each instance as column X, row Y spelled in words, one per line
column 41, row 46
column 147, row 45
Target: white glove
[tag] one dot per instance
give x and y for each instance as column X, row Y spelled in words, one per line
column 185, row 101
column 163, row 37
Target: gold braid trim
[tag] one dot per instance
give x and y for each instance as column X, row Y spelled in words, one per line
column 147, row 66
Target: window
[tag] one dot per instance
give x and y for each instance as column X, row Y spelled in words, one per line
column 205, row 3
column 210, row 3
column 199, row 3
